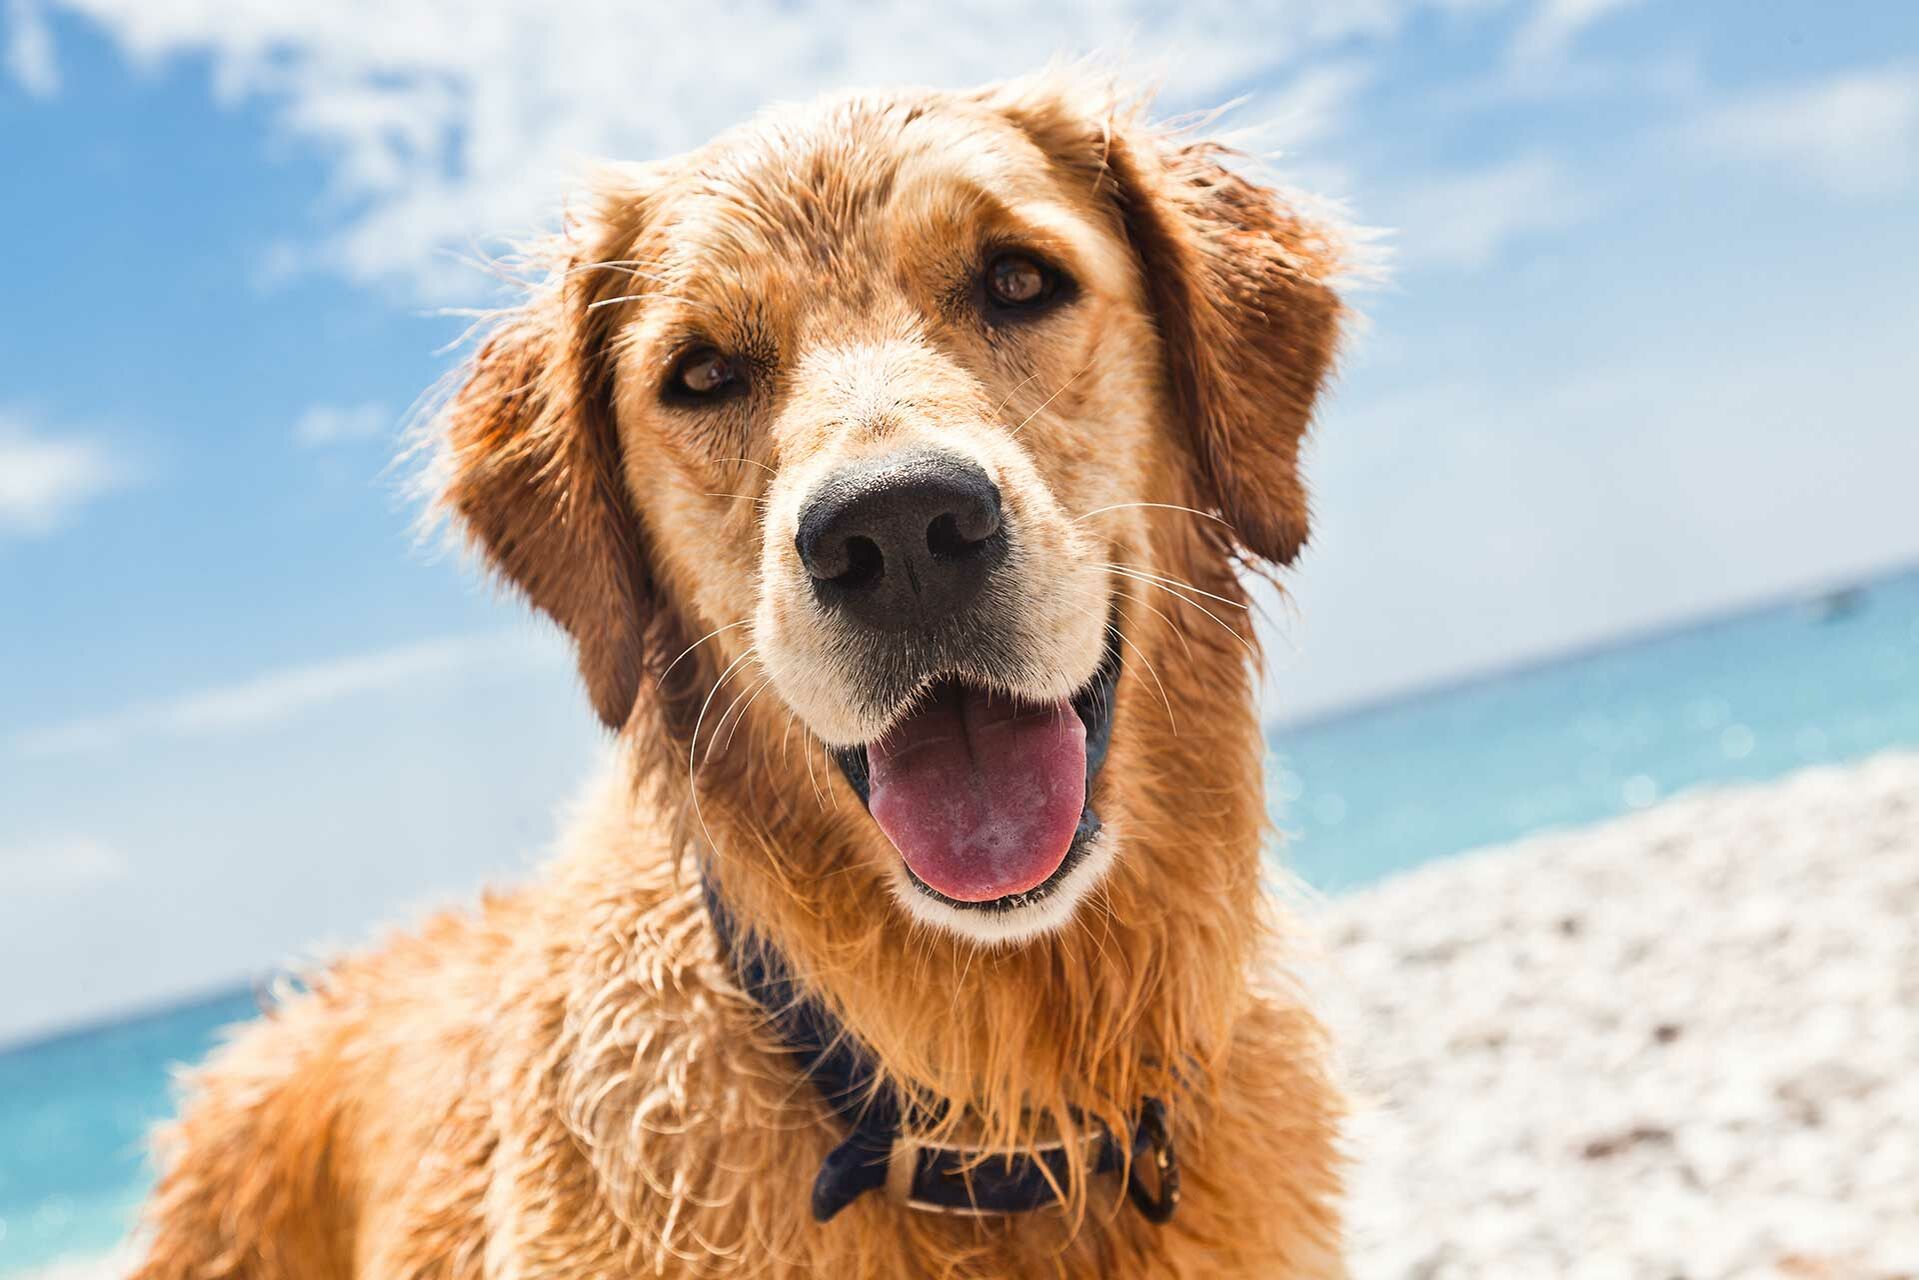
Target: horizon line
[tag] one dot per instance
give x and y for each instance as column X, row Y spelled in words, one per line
column 1609, row 642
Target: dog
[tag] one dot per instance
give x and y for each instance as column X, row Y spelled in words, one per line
column 893, row 465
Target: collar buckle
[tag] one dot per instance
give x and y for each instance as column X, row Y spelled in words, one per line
column 1153, row 1144
column 982, row 1181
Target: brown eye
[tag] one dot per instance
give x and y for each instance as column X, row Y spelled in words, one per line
column 702, row 372
column 1016, row 281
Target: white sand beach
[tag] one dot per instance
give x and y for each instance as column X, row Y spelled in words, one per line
column 1681, row 1044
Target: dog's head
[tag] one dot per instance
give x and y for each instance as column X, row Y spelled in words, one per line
column 883, row 396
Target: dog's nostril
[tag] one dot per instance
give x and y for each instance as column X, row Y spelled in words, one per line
column 865, row 564
column 978, row 518
column 964, row 529
column 946, row 542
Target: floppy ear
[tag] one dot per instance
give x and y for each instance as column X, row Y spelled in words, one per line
column 532, row 458
column 1237, row 282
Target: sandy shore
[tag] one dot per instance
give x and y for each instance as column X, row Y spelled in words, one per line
column 1681, row 1044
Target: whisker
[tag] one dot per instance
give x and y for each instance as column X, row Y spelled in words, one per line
column 719, row 726
column 1008, row 398
column 1120, row 636
column 786, row 739
column 751, row 462
column 693, row 747
column 752, row 695
column 697, row 643
column 814, row 778
column 1056, row 395
column 1175, row 582
column 1164, row 506
column 1246, row 644
column 1178, row 631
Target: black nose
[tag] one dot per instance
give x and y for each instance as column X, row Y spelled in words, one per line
column 902, row 542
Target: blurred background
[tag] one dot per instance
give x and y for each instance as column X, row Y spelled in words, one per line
column 1616, row 496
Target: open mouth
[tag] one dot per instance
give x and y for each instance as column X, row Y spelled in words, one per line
column 988, row 798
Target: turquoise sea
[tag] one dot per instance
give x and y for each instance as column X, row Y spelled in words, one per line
column 1364, row 793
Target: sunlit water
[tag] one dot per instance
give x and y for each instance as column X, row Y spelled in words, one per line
column 1745, row 698
column 1362, row 795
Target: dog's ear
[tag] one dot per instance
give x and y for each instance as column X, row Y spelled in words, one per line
column 532, row 470
column 1238, row 284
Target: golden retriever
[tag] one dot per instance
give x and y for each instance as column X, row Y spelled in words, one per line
column 892, row 464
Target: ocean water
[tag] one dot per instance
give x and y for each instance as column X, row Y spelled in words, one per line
column 74, row 1115
column 1361, row 795
column 1563, row 744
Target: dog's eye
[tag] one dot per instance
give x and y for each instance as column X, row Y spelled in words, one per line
column 1017, row 282
column 701, row 373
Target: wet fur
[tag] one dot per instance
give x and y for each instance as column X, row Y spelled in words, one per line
column 565, row 1082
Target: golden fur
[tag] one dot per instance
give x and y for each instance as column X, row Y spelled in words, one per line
column 566, row 1082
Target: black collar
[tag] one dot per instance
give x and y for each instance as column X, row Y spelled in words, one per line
column 880, row 1149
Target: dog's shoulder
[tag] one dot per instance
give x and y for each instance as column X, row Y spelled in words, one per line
column 630, row 1076
column 289, row 1136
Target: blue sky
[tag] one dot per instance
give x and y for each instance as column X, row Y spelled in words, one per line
column 1645, row 351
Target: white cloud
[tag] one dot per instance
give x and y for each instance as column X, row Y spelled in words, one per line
column 1856, row 133
column 449, row 122
column 58, row 864
column 324, row 424
column 1309, row 109
column 29, row 52
column 45, row 479
column 1463, row 220
column 277, row 696
column 1548, row 34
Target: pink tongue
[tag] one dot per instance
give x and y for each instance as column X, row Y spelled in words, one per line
column 980, row 797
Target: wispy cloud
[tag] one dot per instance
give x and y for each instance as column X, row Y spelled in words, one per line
column 29, row 53
column 1548, row 34
column 277, row 696
column 44, row 479
column 325, row 424
column 447, row 124
column 1856, row 133
column 1312, row 107
column 1463, row 220
column 58, row 863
